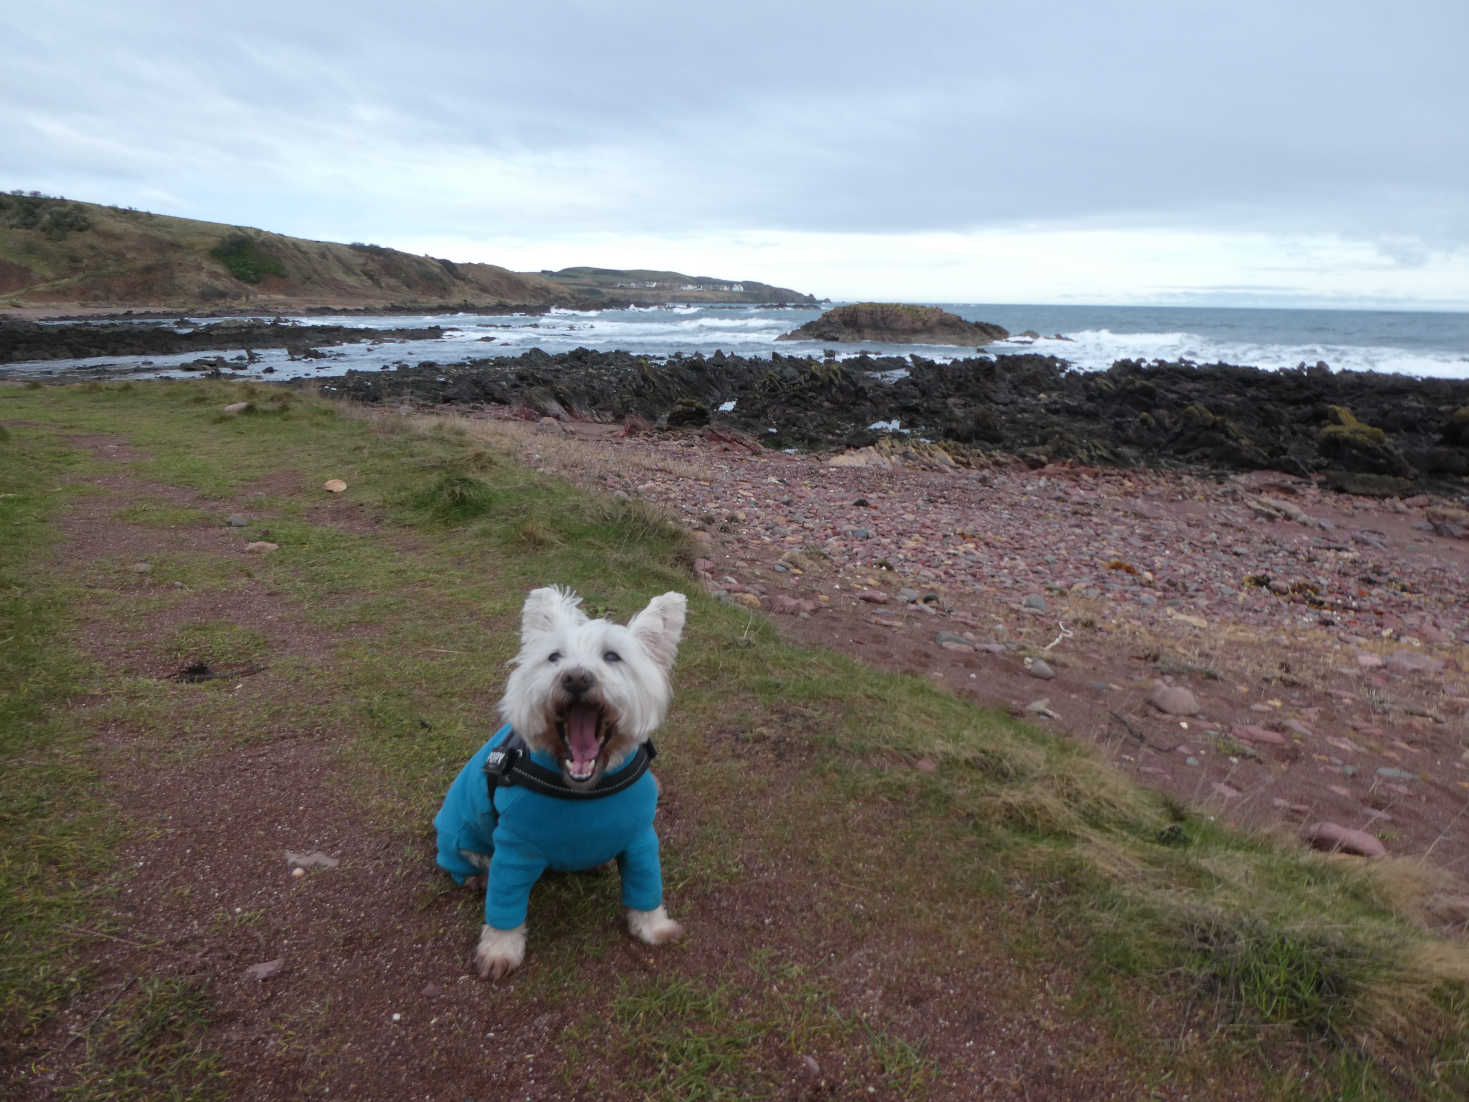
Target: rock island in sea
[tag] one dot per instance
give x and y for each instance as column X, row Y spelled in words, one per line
column 896, row 323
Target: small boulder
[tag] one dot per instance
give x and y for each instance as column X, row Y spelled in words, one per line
column 1174, row 700
column 1448, row 521
column 1333, row 837
column 1038, row 667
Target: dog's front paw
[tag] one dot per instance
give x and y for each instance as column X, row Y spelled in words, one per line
column 499, row 952
column 653, row 927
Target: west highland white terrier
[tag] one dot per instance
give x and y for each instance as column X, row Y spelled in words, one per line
column 564, row 784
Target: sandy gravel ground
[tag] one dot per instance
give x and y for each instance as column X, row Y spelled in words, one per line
column 1270, row 651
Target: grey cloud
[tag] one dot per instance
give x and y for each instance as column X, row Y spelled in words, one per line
column 819, row 116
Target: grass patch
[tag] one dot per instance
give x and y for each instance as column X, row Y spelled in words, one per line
column 50, row 843
column 717, row 1040
column 151, row 1043
column 216, row 642
column 161, row 514
column 245, row 259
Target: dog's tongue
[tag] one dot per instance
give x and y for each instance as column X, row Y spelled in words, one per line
column 581, row 734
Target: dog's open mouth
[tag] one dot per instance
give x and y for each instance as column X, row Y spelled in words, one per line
column 583, row 738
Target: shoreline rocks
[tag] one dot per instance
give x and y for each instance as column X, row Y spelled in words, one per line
column 22, row 340
column 1216, row 417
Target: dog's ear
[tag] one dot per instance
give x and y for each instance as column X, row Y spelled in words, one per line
column 660, row 626
column 549, row 608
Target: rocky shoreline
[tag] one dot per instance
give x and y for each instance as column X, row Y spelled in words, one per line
column 22, row 340
column 1263, row 648
column 1366, row 433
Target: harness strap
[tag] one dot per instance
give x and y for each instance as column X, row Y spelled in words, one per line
column 510, row 763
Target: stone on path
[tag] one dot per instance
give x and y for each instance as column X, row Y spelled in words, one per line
column 1249, row 732
column 1393, row 772
column 1037, row 667
column 314, row 860
column 1333, row 837
column 1175, row 700
column 265, row 969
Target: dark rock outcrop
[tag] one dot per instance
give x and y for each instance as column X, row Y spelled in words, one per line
column 22, row 340
column 1201, row 416
column 896, row 323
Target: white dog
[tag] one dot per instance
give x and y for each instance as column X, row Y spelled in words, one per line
column 564, row 783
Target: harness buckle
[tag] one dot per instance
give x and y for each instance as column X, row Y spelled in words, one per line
column 499, row 762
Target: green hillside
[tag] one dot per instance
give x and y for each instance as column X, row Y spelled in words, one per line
column 58, row 252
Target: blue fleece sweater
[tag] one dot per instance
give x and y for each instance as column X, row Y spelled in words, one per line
column 524, row 833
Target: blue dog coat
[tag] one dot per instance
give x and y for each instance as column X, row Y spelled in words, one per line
column 524, row 833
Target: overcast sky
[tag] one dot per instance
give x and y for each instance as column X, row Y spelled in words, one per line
column 1235, row 152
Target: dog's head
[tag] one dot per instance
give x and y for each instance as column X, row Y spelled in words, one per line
column 588, row 692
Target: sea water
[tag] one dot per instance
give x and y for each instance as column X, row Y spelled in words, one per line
column 1089, row 337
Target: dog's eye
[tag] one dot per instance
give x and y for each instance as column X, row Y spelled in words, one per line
column 554, row 656
column 611, row 656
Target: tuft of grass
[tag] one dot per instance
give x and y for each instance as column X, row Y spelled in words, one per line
column 216, row 642
column 454, row 499
column 151, row 1043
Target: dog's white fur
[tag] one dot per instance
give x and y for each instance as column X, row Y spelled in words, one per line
column 629, row 668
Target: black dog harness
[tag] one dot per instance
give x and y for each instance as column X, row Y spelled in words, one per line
column 511, row 763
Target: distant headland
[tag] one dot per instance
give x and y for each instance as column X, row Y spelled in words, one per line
column 60, row 255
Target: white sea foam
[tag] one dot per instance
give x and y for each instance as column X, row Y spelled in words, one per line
column 1098, row 349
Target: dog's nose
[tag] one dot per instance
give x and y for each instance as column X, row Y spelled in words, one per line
column 576, row 682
